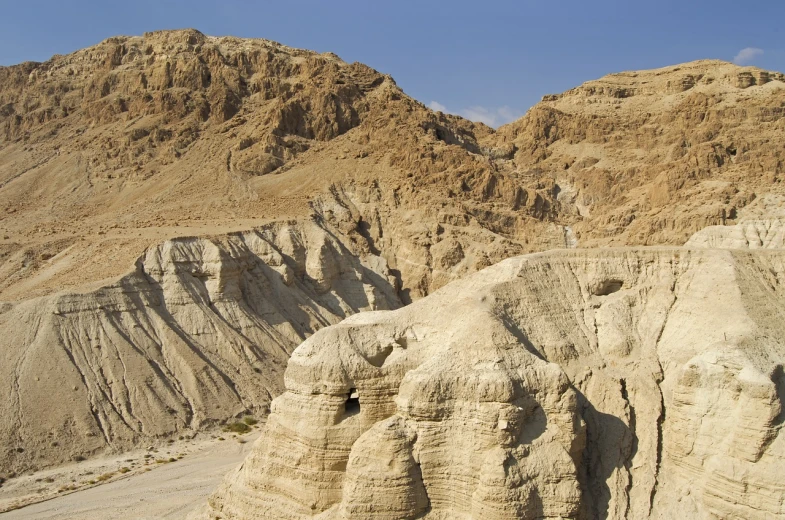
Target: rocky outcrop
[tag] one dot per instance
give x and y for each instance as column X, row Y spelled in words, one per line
column 627, row 383
column 760, row 226
column 747, row 234
column 199, row 333
column 119, row 146
column 651, row 157
column 114, row 150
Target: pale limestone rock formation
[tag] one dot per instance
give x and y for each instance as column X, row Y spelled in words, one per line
column 747, row 234
column 622, row 383
column 199, row 333
column 761, row 226
column 108, row 152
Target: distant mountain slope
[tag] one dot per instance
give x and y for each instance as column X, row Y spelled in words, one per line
column 117, row 147
column 650, row 157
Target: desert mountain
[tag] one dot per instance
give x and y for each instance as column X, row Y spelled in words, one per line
column 650, row 157
column 180, row 211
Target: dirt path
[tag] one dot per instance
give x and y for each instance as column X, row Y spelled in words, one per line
column 167, row 492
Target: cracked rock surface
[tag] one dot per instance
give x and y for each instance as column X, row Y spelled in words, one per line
column 200, row 332
column 179, row 211
column 621, row 383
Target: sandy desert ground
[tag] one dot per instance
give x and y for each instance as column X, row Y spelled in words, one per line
column 167, row 490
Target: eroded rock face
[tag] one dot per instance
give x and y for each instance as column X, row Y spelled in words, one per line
column 200, row 332
column 112, row 150
column 651, row 157
column 588, row 384
column 124, row 144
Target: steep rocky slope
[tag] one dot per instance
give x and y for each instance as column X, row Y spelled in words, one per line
column 650, row 157
column 315, row 189
column 117, row 147
column 624, row 383
column 200, row 332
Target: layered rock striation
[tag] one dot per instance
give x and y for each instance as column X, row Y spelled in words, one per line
column 361, row 198
column 624, row 383
column 199, row 333
column 174, row 133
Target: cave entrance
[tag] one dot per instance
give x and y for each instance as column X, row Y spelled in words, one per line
column 352, row 405
column 607, row 287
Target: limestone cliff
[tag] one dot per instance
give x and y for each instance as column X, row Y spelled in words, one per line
column 651, row 157
column 200, row 332
column 115, row 148
column 160, row 154
column 624, row 383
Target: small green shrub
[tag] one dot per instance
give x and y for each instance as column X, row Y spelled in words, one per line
column 238, row 427
column 250, row 421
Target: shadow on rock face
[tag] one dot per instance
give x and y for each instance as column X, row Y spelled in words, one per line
column 610, row 447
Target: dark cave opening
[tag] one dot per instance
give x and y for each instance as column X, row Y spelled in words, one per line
column 352, row 405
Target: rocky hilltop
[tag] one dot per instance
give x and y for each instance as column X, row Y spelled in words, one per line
column 622, row 383
column 199, row 332
column 180, row 211
column 120, row 146
column 651, row 157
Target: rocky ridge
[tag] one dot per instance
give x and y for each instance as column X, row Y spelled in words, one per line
column 651, row 157
column 117, row 156
column 117, row 147
column 200, row 332
column 623, row 383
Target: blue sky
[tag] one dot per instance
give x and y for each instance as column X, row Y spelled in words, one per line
column 488, row 60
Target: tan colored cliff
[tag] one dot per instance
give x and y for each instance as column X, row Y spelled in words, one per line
column 135, row 146
column 200, row 332
column 650, row 157
column 620, row 383
column 117, row 147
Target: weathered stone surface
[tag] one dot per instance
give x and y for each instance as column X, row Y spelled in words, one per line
column 115, row 148
column 623, row 383
column 115, row 157
column 199, row 333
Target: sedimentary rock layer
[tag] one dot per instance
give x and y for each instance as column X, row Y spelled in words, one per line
column 623, row 383
column 109, row 152
column 200, row 332
column 117, row 147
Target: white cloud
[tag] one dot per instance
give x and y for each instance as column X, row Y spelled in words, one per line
column 479, row 114
column 747, row 55
column 508, row 114
column 490, row 116
column 438, row 107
